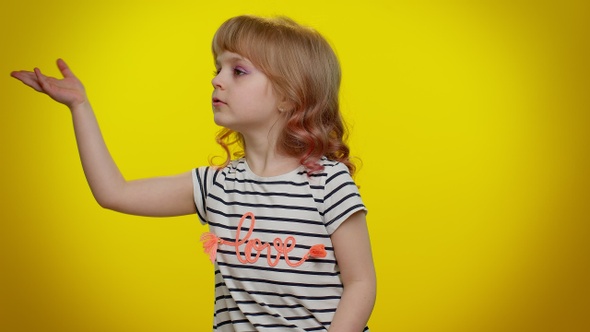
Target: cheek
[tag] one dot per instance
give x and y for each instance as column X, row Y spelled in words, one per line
column 270, row 95
column 262, row 97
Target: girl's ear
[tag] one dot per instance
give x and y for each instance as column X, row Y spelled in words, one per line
column 286, row 106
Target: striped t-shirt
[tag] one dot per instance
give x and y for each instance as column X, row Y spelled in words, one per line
column 284, row 216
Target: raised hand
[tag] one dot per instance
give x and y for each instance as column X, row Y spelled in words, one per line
column 68, row 90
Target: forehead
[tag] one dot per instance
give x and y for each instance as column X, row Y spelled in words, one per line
column 229, row 57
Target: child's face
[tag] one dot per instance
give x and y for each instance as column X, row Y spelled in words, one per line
column 243, row 97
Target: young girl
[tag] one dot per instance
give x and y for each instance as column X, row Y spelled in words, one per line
column 287, row 230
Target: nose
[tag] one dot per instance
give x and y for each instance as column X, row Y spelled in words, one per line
column 216, row 81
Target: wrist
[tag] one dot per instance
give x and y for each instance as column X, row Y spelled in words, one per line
column 80, row 108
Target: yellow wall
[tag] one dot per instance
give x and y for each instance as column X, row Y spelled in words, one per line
column 472, row 121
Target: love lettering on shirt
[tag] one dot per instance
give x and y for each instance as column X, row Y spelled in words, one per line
column 281, row 248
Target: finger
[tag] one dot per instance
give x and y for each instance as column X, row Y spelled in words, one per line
column 42, row 79
column 28, row 78
column 64, row 69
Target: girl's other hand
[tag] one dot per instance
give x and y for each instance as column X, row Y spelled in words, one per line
column 68, row 90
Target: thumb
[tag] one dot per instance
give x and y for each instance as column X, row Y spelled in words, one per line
column 64, row 69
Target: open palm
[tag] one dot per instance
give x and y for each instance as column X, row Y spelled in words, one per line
column 68, row 90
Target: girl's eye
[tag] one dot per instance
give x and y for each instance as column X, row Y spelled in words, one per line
column 239, row 71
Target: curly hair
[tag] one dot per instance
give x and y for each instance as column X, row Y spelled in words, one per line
column 303, row 68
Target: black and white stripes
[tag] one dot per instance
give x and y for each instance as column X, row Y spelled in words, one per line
column 305, row 209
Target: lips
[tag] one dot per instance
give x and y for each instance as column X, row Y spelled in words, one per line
column 217, row 102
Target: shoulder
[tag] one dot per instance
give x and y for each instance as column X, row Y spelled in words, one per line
column 333, row 170
column 233, row 167
column 331, row 164
column 333, row 175
column 338, row 194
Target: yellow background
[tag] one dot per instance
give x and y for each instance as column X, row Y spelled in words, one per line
column 471, row 119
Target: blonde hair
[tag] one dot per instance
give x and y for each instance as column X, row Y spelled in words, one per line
column 304, row 70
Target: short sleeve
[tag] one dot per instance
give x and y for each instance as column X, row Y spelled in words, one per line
column 202, row 182
column 341, row 196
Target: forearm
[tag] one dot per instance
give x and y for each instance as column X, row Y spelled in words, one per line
column 103, row 176
column 355, row 307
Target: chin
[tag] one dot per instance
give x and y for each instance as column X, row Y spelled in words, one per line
column 217, row 118
column 225, row 124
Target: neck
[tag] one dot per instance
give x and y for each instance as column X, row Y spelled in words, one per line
column 264, row 159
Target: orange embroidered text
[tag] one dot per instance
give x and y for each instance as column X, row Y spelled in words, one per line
column 254, row 247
